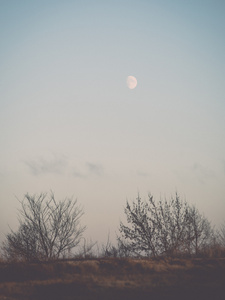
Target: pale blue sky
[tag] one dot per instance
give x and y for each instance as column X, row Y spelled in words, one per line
column 69, row 123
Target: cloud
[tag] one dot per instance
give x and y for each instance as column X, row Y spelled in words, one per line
column 78, row 174
column 41, row 165
column 95, row 169
column 88, row 170
column 143, row 174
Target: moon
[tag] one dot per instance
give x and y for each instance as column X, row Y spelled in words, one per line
column 131, row 82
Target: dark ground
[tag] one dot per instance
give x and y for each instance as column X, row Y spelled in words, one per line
column 115, row 279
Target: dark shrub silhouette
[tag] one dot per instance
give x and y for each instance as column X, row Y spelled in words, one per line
column 48, row 229
column 168, row 228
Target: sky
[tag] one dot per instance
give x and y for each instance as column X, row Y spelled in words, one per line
column 70, row 124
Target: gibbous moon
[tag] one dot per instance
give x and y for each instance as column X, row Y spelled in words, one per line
column 131, row 82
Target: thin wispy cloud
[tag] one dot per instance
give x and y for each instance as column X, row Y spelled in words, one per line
column 95, row 169
column 78, row 174
column 142, row 174
column 42, row 165
column 88, row 169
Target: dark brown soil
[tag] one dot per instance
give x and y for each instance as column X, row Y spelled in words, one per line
column 115, row 279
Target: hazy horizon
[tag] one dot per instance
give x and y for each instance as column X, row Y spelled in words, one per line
column 70, row 124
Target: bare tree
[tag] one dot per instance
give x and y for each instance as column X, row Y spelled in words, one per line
column 86, row 249
column 164, row 228
column 170, row 219
column 140, row 233
column 110, row 250
column 21, row 244
column 48, row 229
column 199, row 232
column 221, row 235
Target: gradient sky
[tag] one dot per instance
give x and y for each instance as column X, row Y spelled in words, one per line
column 69, row 123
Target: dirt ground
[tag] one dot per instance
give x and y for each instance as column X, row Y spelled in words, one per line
column 114, row 279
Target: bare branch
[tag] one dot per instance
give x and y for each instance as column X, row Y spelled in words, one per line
column 47, row 228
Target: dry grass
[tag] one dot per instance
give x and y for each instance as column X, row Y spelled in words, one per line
column 114, row 279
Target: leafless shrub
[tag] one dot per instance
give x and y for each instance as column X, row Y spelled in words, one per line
column 221, row 235
column 218, row 246
column 48, row 229
column 199, row 233
column 140, row 235
column 117, row 250
column 170, row 228
column 86, row 250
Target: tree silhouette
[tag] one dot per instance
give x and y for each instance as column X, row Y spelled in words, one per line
column 48, row 229
column 164, row 228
